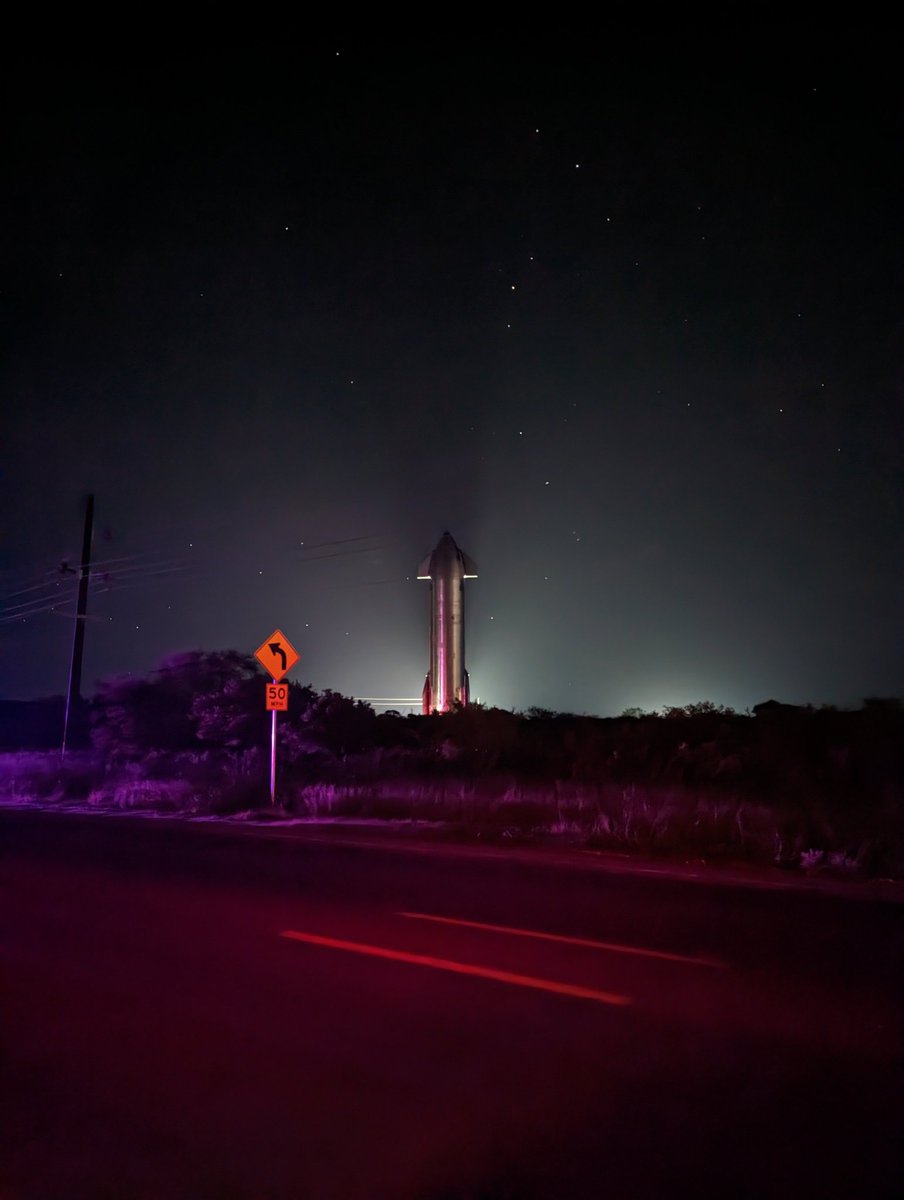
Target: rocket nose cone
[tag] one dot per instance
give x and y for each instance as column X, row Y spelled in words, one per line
column 445, row 557
column 445, row 548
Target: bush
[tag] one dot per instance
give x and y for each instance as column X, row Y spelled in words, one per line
column 29, row 776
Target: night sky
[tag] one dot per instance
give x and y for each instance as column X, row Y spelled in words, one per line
column 632, row 335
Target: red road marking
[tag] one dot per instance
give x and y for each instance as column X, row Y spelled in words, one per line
column 570, row 941
column 445, row 964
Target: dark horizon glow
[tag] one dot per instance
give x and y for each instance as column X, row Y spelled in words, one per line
column 632, row 332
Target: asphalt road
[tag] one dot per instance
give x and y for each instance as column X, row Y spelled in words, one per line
column 194, row 1012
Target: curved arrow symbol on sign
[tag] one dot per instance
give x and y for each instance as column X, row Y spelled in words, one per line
column 276, row 655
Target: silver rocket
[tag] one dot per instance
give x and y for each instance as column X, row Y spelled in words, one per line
column 447, row 568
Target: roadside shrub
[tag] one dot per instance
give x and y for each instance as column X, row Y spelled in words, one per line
column 43, row 776
column 170, row 795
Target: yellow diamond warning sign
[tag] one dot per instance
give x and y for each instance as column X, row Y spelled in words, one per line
column 276, row 655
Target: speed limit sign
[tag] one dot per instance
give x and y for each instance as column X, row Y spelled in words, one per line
column 277, row 697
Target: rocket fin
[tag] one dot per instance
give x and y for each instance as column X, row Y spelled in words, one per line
column 423, row 571
column 469, row 565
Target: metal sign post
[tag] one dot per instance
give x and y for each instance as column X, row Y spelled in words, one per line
column 273, row 755
column 277, row 655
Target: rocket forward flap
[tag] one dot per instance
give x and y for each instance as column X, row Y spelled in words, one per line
column 469, row 565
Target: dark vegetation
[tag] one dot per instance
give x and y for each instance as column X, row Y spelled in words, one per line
column 797, row 787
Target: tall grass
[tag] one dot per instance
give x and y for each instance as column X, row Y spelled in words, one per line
column 675, row 820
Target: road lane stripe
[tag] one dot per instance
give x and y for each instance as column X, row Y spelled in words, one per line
column 615, row 947
column 445, row 964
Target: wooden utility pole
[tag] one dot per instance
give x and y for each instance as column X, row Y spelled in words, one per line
column 74, row 693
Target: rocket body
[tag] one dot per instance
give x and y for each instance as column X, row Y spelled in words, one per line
column 446, row 568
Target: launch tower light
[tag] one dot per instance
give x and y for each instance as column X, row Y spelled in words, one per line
column 447, row 567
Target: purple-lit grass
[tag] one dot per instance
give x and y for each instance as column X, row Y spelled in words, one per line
column 674, row 821
column 200, row 782
column 29, row 776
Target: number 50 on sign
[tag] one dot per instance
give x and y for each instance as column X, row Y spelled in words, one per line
column 277, row 697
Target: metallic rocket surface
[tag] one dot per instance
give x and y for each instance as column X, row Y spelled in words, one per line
column 447, row 680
